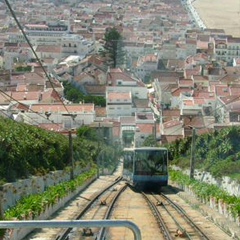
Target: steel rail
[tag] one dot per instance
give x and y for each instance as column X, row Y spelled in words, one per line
column 65, row 232
column 171, row 215
column 184, row 214
column 101, row 233
column 158, row 216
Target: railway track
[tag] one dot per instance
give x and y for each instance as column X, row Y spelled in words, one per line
column 101, row 234
column 94, row 210
column 133, row 207
column 157, row 215
column 162, row 216
column 173, row 220
column 95, row 195
column 100, row 210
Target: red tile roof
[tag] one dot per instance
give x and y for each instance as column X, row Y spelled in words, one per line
column 100, row 111
column 117, row 96
column 146, row 128
column 118, row 74
column 20, row 96
column 172, row 123
column 72, row 108
column 222, row 90
column 178, row 91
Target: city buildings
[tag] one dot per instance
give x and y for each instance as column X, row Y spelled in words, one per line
column 177, row 72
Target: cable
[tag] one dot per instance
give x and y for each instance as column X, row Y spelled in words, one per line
column 4, row 113
column 30, row 45
column 4, row 94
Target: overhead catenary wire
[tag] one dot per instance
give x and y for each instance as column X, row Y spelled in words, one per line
column 36, row 56
column 7, row 96
column 9, row 117
column 39, row 61
column 4, row 113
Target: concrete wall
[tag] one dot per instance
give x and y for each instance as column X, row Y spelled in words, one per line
column 225, row 183
column 230, row 186
column 10, row 193
column 18, row 234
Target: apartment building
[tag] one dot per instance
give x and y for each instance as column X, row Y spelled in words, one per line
column 154, row 28
column 76, row 45
column 118, row 104
column 145, row 65
column 70, row 116
column 49, row 34
column 124, row 82
column 221, row 48
column 55, row 34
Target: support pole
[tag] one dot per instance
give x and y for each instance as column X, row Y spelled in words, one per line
column 71, row 155
column 98, row 151
column 192, row 160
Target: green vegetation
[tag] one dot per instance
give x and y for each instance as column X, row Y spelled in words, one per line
column 32, row 206
column 106, row 156
column 74, row 95
column 150, row 141
column 28, row 150
column 217, row 152
column 23, row 69
column 113, row 48
column 2, row 230
column 87, row 132
column 206, row 191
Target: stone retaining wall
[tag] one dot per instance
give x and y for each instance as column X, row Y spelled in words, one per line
column 18, row 234
column 225, row 183
column 10, row 193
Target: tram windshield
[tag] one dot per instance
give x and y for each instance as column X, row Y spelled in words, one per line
column 151, row 162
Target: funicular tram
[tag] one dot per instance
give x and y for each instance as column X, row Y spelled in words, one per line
column 146, row 167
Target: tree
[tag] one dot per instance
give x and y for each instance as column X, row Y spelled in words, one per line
column 88, row 133
column 113, row 47
column 74, row 95
column 150, row 141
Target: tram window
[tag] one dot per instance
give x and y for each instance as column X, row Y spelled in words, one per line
column 156, row 161
column 151, row 162
column 128, row 160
